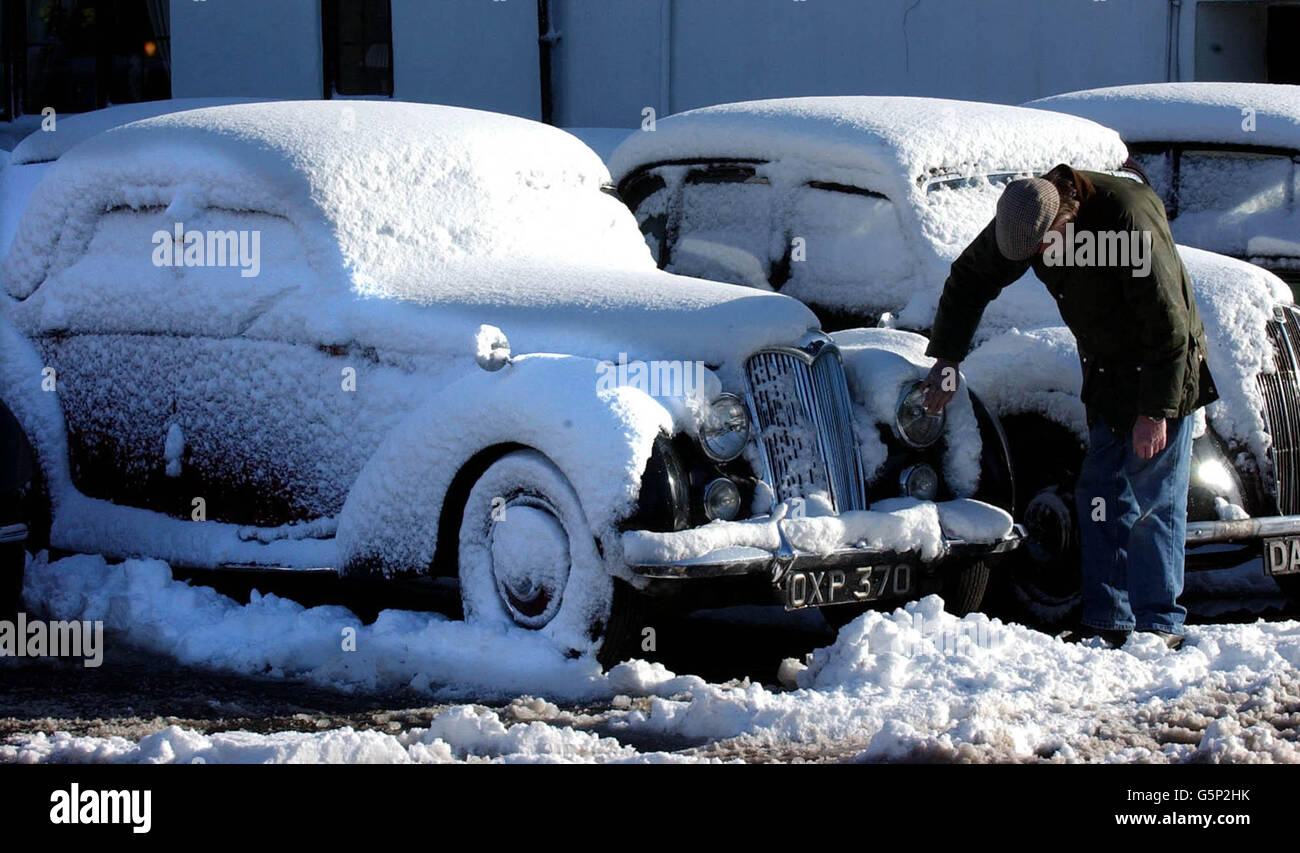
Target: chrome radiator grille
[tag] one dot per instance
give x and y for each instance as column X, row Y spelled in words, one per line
column 1282, row 408
column 805, row 420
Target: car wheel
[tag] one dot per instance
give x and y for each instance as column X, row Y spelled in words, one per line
column 1045, row 572
column 964, row 586
column 528, row 558
column 1039, row 583
column 24, row 516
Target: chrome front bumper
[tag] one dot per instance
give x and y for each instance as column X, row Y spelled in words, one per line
column 734, row 562
column 1242, row 530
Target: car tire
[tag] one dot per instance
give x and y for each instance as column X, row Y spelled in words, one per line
column 24, row 501
column 964, row 587
column 1039, row 583
column 527, row 558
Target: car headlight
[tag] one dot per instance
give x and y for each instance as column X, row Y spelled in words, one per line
column 912, row 423
column 724, row 429
column 919, row 481
column 721, row 500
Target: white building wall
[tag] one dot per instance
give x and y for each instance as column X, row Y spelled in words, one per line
column 725, row 50
column 616, row 57
column 470, row 53
column 248, row 48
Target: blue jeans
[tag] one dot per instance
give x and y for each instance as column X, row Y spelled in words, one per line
column 1133, row 539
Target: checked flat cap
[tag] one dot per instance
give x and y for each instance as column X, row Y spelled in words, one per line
column 1025, row 212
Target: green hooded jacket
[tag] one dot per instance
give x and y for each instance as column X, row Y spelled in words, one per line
column 1141, row 341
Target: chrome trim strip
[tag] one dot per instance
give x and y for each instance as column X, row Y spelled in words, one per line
column 1202, row 532
column 13, row 533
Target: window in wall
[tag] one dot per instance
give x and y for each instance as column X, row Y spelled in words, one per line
column 357, row 38
column 78, row 55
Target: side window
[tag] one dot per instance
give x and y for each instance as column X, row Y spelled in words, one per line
column 851, row 238
column 647, row 194
column 1234, row 182
column 135, row 276
column 1158, row 166
column 724, row 229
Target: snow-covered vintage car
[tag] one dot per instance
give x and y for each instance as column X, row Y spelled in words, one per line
column 858, row 205
column 1224, row 157
column 275, row 336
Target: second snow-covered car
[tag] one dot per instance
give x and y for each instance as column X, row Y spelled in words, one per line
column 859, row 205
column 391, row 339
column 1224, row 157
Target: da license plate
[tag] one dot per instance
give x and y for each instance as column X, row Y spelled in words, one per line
column 1282, row 555
column 822, row 587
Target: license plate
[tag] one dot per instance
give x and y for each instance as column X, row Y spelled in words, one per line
column 822, row 587
column 1282, row 555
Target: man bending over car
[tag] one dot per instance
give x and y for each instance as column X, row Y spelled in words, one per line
column 1101, row 245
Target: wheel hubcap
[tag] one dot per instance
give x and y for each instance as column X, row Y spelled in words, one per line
column 1051, row 545
column 530, row 560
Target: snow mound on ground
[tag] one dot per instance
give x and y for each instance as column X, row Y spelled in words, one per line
column 460, row 734
column 913, row 684
column 1208, row 112
column 274, row 636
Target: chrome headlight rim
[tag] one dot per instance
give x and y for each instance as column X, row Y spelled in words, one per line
column 906, row 476
column 901, row 432
column 711, row 491
column 732, row 400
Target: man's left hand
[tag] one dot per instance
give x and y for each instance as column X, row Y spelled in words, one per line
column 1148, row 436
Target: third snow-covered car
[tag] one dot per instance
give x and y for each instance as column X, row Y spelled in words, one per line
column 391, row 339
column 858, row 205
column 1224, row 157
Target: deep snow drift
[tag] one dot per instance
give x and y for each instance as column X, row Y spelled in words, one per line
column 914, row 684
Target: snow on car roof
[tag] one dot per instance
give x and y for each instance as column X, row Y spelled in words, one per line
column 42, row 146
column 1206, row 112
column 384, row 194
column 383, row 207
column 896, row 141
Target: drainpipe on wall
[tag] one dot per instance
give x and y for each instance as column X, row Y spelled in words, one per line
column 1172, row 69
column 546, row 40
column 666, row 57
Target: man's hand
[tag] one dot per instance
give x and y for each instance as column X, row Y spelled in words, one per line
column 1148, row 436
column 940, row 385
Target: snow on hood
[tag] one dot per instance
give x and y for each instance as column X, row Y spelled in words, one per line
column 485, row 217
column 1190, row 112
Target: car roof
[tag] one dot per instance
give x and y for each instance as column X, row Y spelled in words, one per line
column 386, row 195
column 896, row 143
column 1203, row 112
column 42, row 146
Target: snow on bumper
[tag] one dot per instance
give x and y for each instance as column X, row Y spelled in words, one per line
column 892, row 529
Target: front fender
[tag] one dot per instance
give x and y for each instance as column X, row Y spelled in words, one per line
column 600, row 438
